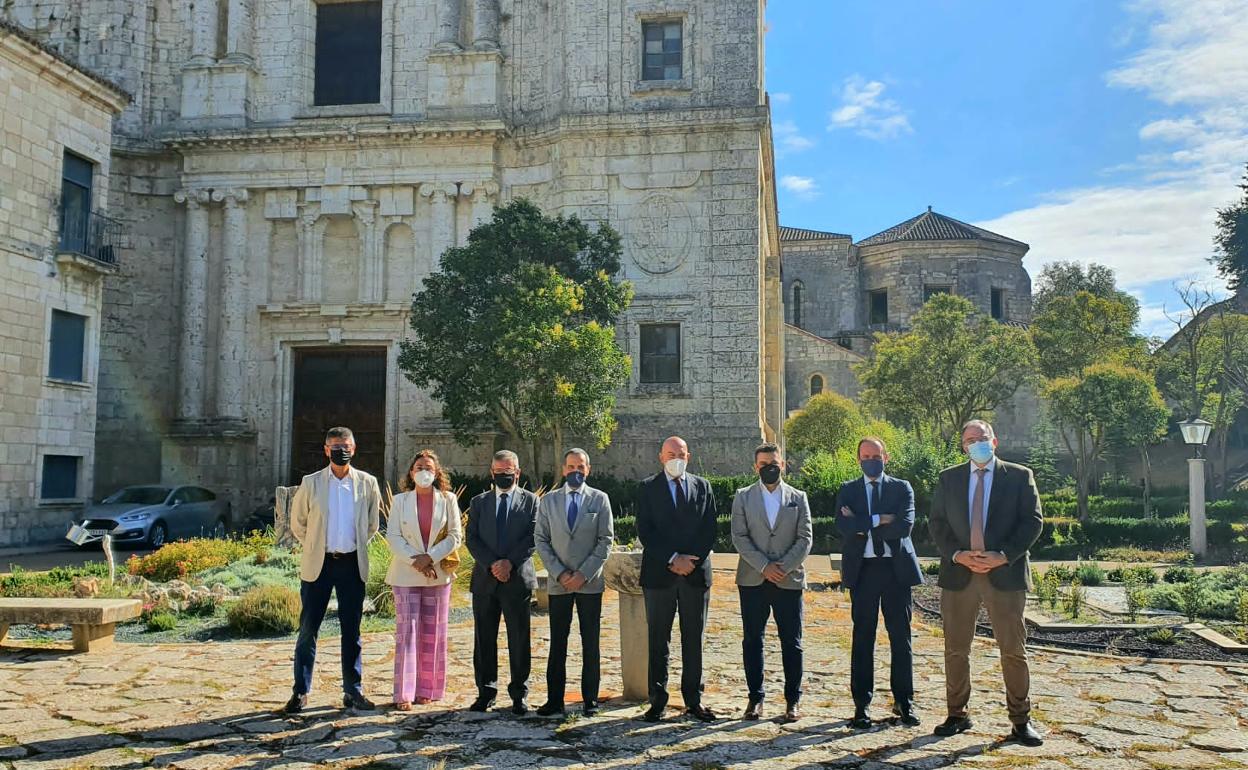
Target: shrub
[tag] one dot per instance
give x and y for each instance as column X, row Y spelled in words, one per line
column 1241, row 613
column 1046, row 591
column 162, row 621
column 1090, row 574
column 1127, row 575
column 1076, row 599
column 56, row 582
column 201, row 605
column 276, row 567
column 1193, row 596
column 265, row 610
column 1163, row 635
column 1180, row 575
column 377, row 588
column 1060, row 572
column 188, row 557
column 931, row 568
column 1137, row 599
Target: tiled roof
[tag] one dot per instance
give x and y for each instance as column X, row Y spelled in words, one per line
column 802, row 234
column 18, row 32
column 931, row 226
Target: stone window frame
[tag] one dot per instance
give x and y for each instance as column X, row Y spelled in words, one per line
column 797, row 294
column 673, row 309
column 90, row 346
column 993, row 293
column 79, row 480
column 307, row 64
column 810, row 385
column 634, row 48
column 871, row 294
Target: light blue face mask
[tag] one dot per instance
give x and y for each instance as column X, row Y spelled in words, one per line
column 980, row 452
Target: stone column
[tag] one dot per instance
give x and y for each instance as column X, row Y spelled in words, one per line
column 449, row 15
column 372, row 267
column 233, row 312
column 191, row 363
column 310, row 231
column 485, row 25
column 1196, row 504
column 203, row 32
column 238, row 34
column 483, row 196
column 442, row 226
column 623, row 574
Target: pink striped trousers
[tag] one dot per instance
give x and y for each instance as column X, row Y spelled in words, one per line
column 420, row 641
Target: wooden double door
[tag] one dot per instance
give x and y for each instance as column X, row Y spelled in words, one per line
column 338, row 386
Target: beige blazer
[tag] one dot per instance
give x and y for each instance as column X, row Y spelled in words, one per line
column 309, row 513
column 759, row 544
column 403, row 536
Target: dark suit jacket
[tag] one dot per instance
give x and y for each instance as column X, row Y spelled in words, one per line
column 897, row 498
column 663, row 530
column 482, row 540
column 1013, row 526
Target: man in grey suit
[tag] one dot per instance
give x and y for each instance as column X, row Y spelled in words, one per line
column 573, row 536
column 771, row 528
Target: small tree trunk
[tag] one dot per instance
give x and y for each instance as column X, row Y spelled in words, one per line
column 1083, row 472
column 536, row 468
column 556, row 453
column 1148, row 481
column 1222, row 479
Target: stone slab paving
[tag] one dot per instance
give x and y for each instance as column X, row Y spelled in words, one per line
column 212, row 707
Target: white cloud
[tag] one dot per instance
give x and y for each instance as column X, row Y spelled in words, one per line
column 865, row 110
column 1158, row 225
column 789, row 138
column 801, row 186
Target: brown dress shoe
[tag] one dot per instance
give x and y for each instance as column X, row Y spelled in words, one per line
column 791, row 714
column 754, row 710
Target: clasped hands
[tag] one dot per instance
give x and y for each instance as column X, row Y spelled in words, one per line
column 423, row 563
column 571, row 579
column 980, row 562
column 683, row 564
column 501, row 570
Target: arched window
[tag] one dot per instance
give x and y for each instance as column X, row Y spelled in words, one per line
column 816, row 384
column 798, row 291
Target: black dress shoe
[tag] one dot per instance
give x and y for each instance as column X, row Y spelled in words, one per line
column 357, row 702
column 953, row 726
column 482, row 704
column 653, row 714
column 701, row 713
column 861, row 720
column 1026, row 735
column 906, row 715
column 791, row 714
column 296, row 703
column 549, row 709
column 520, row 707
column 590, row 708
column 754, row 710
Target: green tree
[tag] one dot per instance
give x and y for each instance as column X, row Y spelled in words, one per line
column 1078, row 330
column 828, row 421
column 1146, row 427
column 1065, row 279
column 1092, row 407
column 954, row 364
column 1231, row 241
column 514, row 332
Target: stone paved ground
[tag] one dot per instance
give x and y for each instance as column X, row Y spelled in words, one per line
column 208, row 706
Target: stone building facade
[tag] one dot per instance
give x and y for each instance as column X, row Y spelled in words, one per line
column 282, row 214
column 56, row 250
column 839, row 293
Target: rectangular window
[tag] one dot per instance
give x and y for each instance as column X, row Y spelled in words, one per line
column 931, row 290
column 348, row 53
column 661, row 59
column 60, row 477
column 68, row 343
column 660, row 353
column 877, row 306
column 998, row 304
column 77, row 174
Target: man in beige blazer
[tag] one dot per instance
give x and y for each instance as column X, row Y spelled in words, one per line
column 333, row 516
column 773, row 533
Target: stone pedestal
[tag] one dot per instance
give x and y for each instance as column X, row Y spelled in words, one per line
column 1196, row 504
column 623, row 574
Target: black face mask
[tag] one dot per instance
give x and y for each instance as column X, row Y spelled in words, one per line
column 340, row 455
column 504, row 480
column 769, row 473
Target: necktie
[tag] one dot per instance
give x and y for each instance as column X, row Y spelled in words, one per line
column 877, row 542
column 572, row 511
column 680, row 495
column 977, row 512
column 500, row 521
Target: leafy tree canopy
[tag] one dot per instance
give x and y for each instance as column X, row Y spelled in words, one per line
column 1231, row 241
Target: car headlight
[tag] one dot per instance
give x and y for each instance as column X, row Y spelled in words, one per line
column 134, row 517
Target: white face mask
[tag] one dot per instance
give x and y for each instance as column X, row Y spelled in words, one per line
column 424, row 479
column 675, row 467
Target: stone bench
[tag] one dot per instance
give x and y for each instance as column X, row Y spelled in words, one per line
column 93, row 620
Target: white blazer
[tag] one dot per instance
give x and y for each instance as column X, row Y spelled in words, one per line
column 403, row 536
column 309, row 516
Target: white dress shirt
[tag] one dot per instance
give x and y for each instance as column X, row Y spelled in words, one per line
column 869, row 551
column 771, row 504
column 340, row 529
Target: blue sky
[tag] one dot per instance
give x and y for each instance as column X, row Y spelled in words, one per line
column 1094, row 130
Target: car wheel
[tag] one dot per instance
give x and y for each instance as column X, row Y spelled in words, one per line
column 157, row 535
column 218, row 530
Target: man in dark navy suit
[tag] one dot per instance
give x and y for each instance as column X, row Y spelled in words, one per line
column 878, row 566
column 676, row 526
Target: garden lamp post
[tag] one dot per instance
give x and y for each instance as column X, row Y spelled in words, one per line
column 1196, row 432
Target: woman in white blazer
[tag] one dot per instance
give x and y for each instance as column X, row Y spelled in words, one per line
column 423, row 529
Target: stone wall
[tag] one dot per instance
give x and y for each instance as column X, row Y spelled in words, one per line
column 809, row 355
column 48, row 106
column 827, row 272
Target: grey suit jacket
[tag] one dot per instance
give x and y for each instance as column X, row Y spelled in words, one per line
column 582, row 549
column 759, row 544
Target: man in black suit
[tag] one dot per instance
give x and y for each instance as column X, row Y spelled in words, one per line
column 500, row 538
column 878, row 566
column 676, row 526
column 985, row 517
